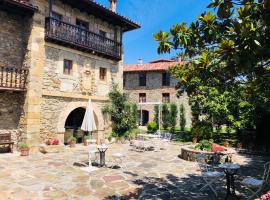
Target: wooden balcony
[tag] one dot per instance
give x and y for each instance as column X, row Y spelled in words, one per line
column 70, row 35
column 13, row 79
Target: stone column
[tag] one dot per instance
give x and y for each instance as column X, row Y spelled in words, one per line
column 36, row 55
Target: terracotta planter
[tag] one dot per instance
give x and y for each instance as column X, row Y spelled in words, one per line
column 72, row 144
column 226, row 144
column 85, row 143
column 194, row 140
column 239, row 146
column 25, row 152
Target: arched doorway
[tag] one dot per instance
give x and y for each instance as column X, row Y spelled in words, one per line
column 143, row 116
column 73, row 124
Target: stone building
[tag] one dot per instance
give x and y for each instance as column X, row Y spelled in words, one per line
column 151, row 82
column 55, row 55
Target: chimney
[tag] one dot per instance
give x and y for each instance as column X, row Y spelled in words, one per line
column 140, row 61
column 113, row 5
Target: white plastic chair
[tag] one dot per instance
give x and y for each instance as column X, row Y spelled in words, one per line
column 92, row 153
column 256, row 185
column 118, row 160
column 209, row 175
column 166, row 140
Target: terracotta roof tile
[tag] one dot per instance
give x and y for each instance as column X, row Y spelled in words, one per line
column 156, row 65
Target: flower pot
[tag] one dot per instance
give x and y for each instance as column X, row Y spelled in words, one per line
column 239, row 146
column 194, row 140
column 85, row 143
column 72, row 144
column 226, row 143
column 25, row 152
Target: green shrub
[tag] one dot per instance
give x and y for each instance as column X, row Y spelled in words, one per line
column 165, row 116
column 204, row 145
column 152, row 127
column 72, row 139
column 183, row 120
column 23, row 145
column 173, row 116
column 202, row 130
column 156, row 115
column 86, row 137
column 121, row 112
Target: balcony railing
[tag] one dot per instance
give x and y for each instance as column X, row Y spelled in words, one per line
column 12, row 78
column 78, row 38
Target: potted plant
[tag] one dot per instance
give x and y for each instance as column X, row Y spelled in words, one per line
column 85, row 138
column 226, row 143
column 24, row 148
column 72, row 141
column 239, row 145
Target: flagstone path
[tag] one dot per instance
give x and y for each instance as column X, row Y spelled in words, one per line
column 150, row 175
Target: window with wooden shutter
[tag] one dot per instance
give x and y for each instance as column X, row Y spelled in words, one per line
column 102, row 73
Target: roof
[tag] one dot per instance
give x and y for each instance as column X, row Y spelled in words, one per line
column 100, row 11
column 156, row 65
column 21, row 7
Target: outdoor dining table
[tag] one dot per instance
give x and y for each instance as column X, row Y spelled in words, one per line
column 149, row 135
column 102, row 149
column 230, row 170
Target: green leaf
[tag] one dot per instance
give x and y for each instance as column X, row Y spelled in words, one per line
column 257, row 42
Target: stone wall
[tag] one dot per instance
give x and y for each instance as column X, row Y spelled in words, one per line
column 55, row 80
column 12, row 114
column 154, row 90
column 13, row 38
column 55, row 111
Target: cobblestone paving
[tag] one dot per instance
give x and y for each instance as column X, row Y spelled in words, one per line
column 150, row 175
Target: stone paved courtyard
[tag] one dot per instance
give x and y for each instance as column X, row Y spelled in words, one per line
column 150, row 175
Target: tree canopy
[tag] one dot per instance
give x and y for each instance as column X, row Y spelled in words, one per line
column 227, row 75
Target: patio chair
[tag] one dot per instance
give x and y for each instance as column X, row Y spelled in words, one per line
column 92, row 153
column 209, row 175
column 166, row 138
column 256, row 185
column 118, row 160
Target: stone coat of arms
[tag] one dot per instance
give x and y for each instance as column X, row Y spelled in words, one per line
column 86, row 81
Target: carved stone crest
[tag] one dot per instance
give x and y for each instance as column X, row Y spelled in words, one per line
column 86, row 81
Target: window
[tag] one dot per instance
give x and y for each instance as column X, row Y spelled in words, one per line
column 124, row 80
column 166, row 79
column 142, row 79
column 102, row 73
column 142, row 97
column 56, row 16
column 67, row 67
column 82, row 24
column 102, row 33
column 166, row 98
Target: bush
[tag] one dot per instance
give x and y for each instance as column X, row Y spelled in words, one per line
column 156, row 115
column 204, row 145
column 152, row 127
column 202, row 130
column 183, row 120
column 173, row 117
column 121, row 111
column 165, row 116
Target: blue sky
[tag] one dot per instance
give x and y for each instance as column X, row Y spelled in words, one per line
column 153, row 16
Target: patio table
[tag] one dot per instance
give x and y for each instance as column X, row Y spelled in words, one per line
column 102, row 149
column 230, row 170
column 149, row 135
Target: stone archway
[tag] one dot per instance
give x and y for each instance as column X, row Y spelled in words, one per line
column 72, row 106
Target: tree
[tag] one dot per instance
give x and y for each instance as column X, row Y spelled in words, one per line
column 173, row 116
column 165, row 116
column 156, row 115
column 227, row 78
column 182, row 117
column 121, row 111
